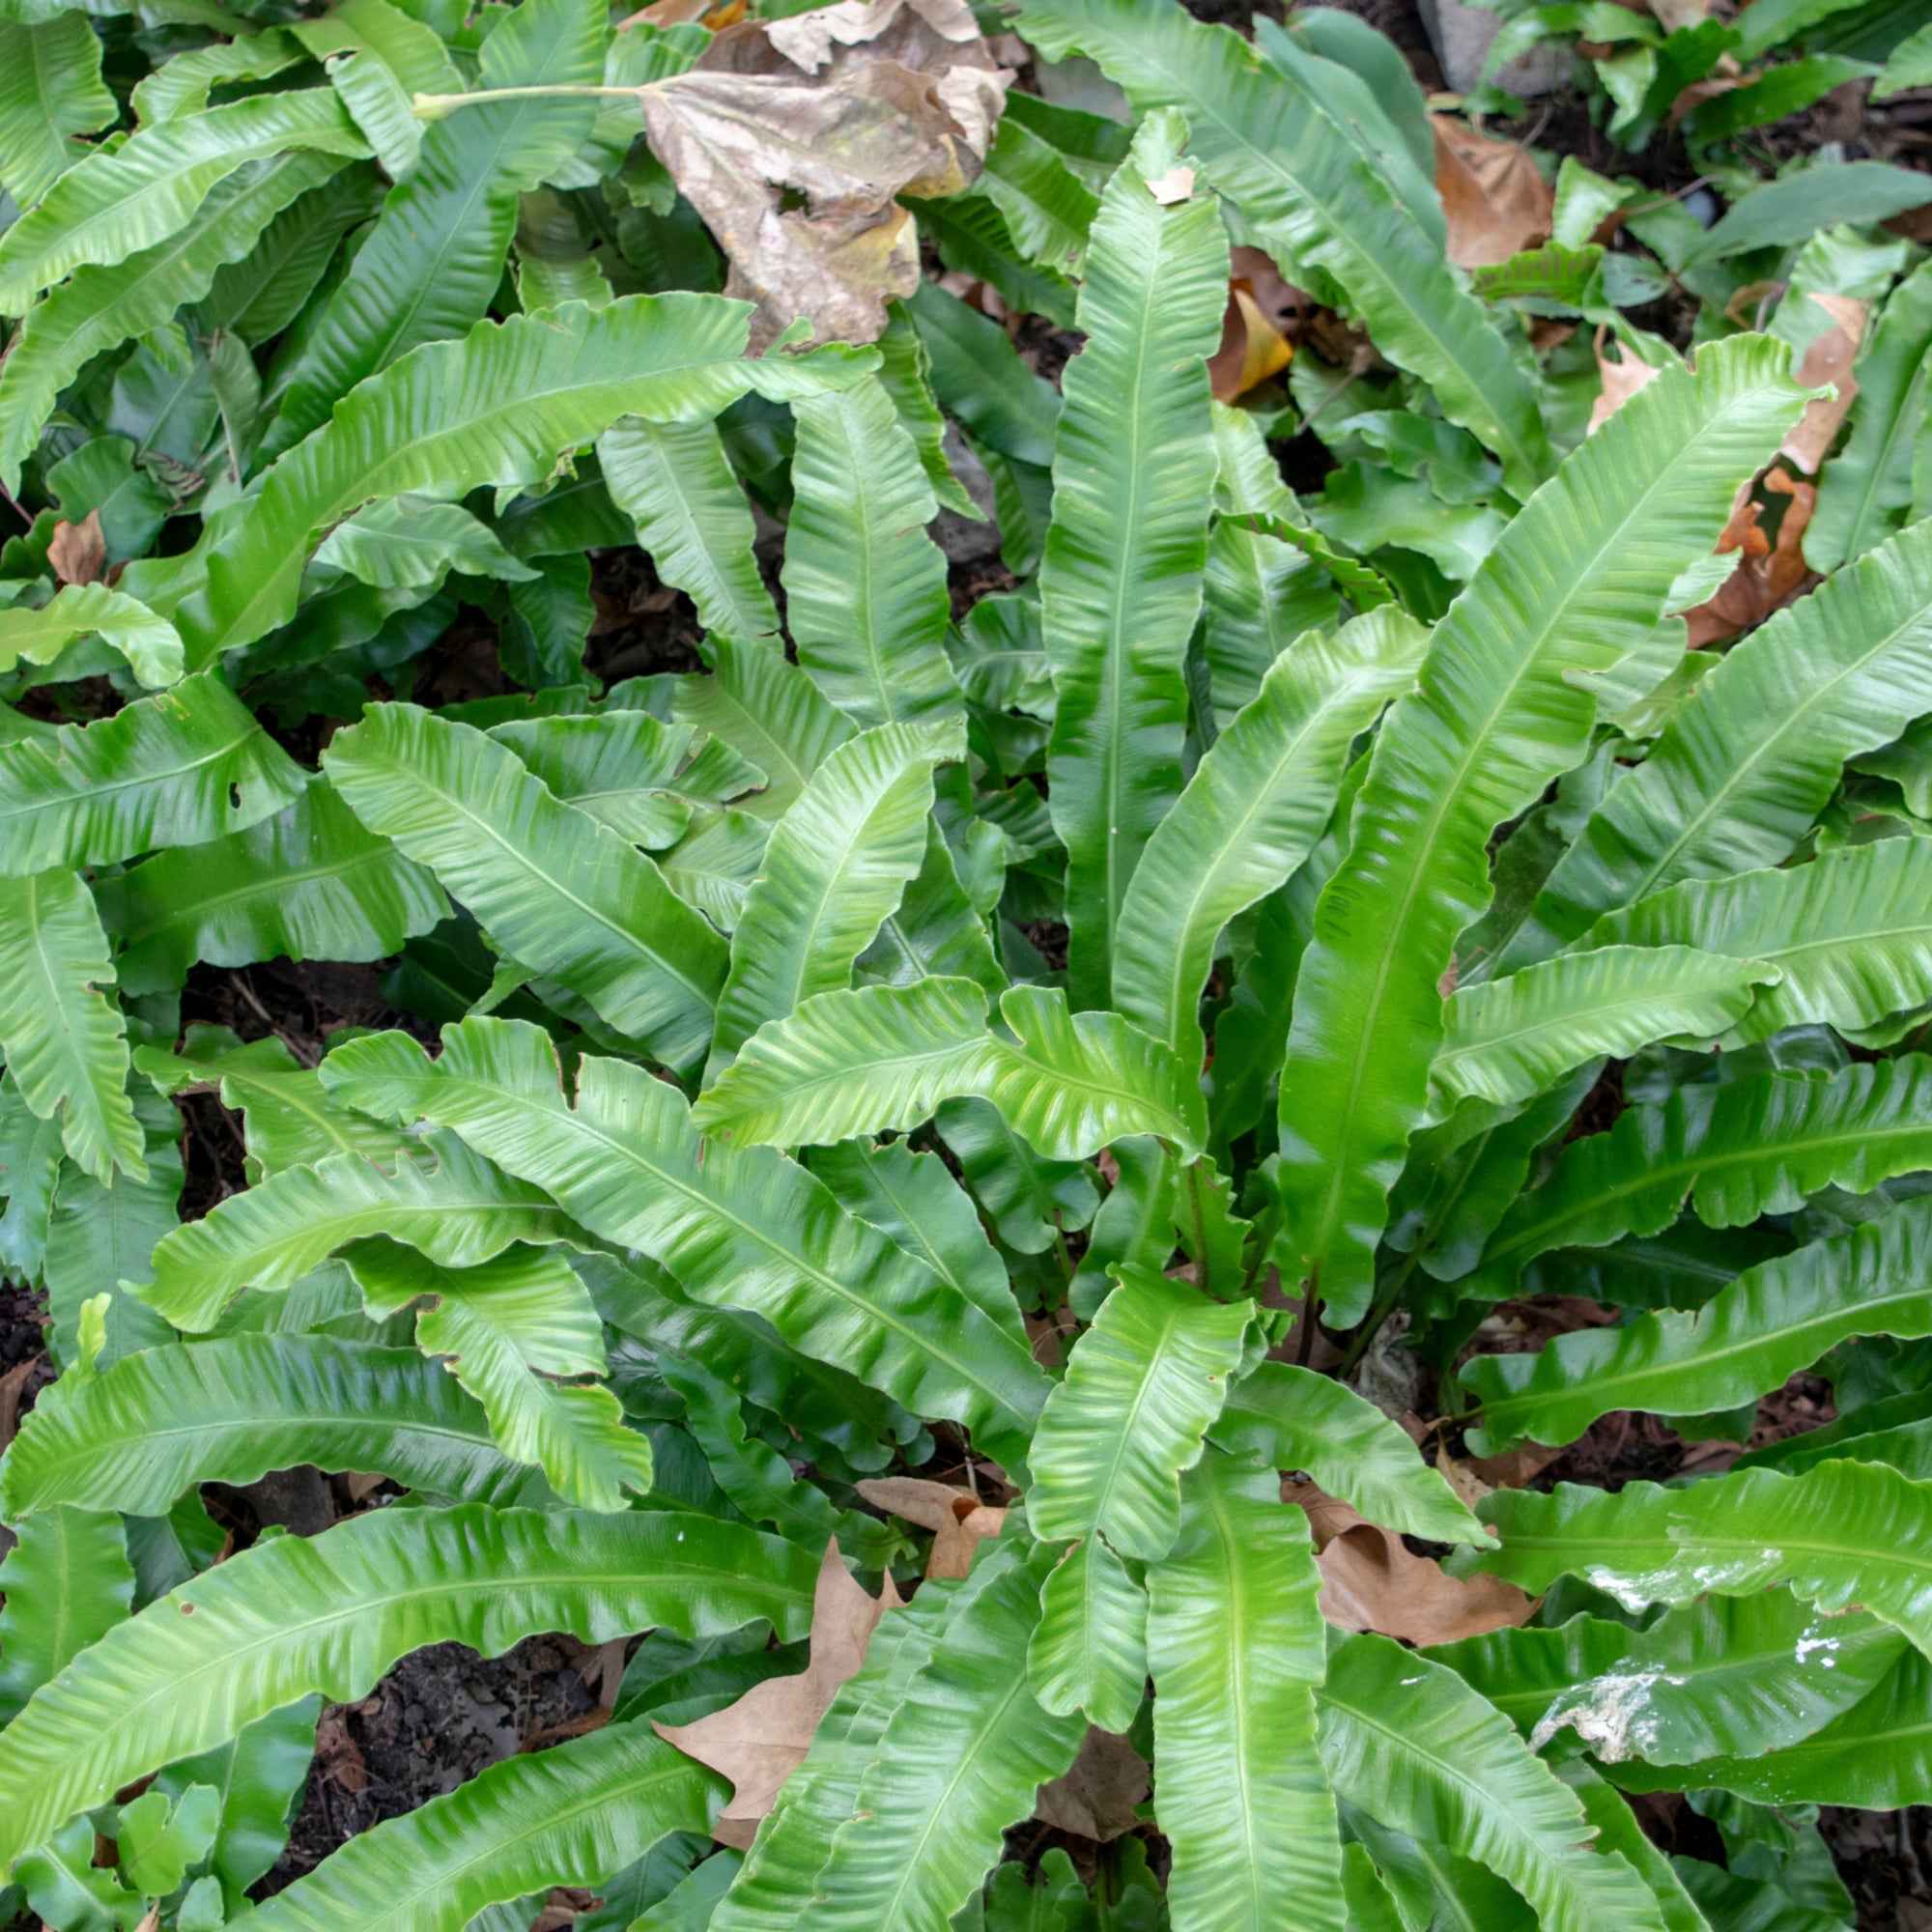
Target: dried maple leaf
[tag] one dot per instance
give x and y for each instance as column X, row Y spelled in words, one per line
column 958, row 1520
column 78, row 551
column 1495, row 199
column 1829, row 360
column 1096, row 1796
column 758, row 1742
column 792, row 138
column 1371, row 1581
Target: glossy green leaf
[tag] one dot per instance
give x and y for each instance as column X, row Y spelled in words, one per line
column 769, row 712
column 1237, row 1647
column 1254, row 808
column 1744, row 766
column 1089, row 1651
column 1120, row 579
column 68, row 1583
column 746, row 1228
column 50, row 92
column 447, row 1201
column 310, row 883
column 1775, row 1319
column 1142, row 1386
column 332, row 1612
column 836, row 865
column 1576, row 582
column 175, row 769
column 866, row 599
column 150, row 644
column 155, row 1423
column 403, row 543
column 66, row 1041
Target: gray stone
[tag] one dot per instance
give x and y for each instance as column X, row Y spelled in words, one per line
column 1462, row 36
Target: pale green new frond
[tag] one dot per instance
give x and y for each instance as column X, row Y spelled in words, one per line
column 1772, row 1321
column 561, row 892
column 150, row 644
column 1237, row 1648
column 1141, row 1385
column 1089, row 1651
column 156, row 1422
column 332, row 1612
column 64, row 1039
column 445, row 1200
column 1578, row 581
column 769, row 712
column 50, row 90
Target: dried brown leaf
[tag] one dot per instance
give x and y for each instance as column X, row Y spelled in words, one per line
column 758, row 1742
column 1371, row 1581
column 1621, row 381
column 958, row 1520
column 1767, row 576
column 1174, row 185
column 12, row 1384
column 1495, row 198
column 78, row 551
column 1829, row 360
column 1096, row 1796
column 792, row 138
column 337, row 1753
column 1252, row 349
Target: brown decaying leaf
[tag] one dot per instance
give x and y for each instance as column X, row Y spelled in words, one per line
column 1174, row 185
column 337, row 1752
column 1767, row 576
column 1495, row 198
column 1261, row 310
column 1096, row 1796
column 1621, row 381
column 1829, row 360
column 834, row 112
column 758, row 1742
column 1371, row 1581
column 78, row 551
column 12, row 1385
column 958, row 1520
column 1672, row 15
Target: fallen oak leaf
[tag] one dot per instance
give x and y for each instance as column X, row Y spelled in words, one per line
column 958, row 1520
column 1829, row 360
column 758, row 1742
column 78, row 551
column 1495, row 199
column 1372, row 1581
column 1095, row 1796
column 1767, row 574
column 1621, row 381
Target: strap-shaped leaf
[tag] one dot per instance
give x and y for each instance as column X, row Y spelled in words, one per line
column 182, row 83
column 435, row 258
column 1723, row 1676
column 68, row 1583
column 1276, row 137
column 769, row 712
column 1413, row 1746
column 955, row 1764
column 446, row 1200
column 936, row 930
column 1120, row 578
column 50, row 90
column 748, row 1229
column 403, row 543
column 1576, row 582
column 1868, row 483
column 175, row 769
column 1772, row 1321
column 1618, row 1830
column 560, row 892
column 155, row 1423
column 310, row 883
column 884, row 1058
column 820, row 1796
column 1251, row 814
column 836, row 865
column 288, row 1121
column 150, row 644
column 1755, row 1147
column 1842, row 1533
column 1237, row 1647
column 1291, row 1418
column 498, row 407
column 1746, row 762
column 912, row 1198
column 513, row 1328
column 1876, row 1755
column 30, row 1152
column 1141, row 1385
column 100, row 307
column 1506, row 1040
column 866, row 598
column 1089, row 1651
column 675, row 484
column 64, row 1039
column 118, row 202
column 1850, row 934
column 332, row 1612
column 577, row 1815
